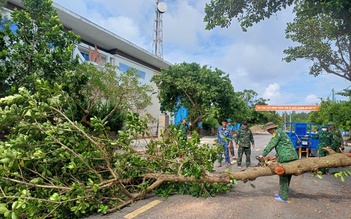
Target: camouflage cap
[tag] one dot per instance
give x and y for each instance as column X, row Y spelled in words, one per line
column 331, row 123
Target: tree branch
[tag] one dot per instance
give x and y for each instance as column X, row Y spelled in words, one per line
column 36, row 185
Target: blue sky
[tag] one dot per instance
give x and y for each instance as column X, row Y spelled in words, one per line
column 252, row 59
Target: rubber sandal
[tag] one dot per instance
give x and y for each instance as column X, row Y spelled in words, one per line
column 280, row 199
column 233, row 162
column 219, row 165
column 227, row 166
column 239, row 167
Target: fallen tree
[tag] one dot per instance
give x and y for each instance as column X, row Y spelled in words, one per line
column 54, row 167
column 297, row 167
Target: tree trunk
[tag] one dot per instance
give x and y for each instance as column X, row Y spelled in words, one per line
column 297, row 167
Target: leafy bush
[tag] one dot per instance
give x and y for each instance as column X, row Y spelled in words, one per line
column 52, row 166
column 209, row 123
column 114, row 122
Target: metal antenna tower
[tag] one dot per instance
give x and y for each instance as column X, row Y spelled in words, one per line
column 157, row 45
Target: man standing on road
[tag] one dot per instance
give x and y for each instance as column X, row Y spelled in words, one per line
column 336, row 141
column 243, row 141
column 224, row 137
column 285, row 152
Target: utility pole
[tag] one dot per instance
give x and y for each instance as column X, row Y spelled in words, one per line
column 285, row 120
column 333, row 96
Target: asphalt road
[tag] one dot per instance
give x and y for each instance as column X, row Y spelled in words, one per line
column 310, row 197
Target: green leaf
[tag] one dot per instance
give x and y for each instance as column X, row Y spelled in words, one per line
column 7, row 213
column 3, row 208
column 96, row 188
column 5, row 160
column 252, row 185
column 90, row 182
column 55, row 197
column 14, row 205
column 342, row 178
column 72, row 165
column 14, row 215
column 9, row 154
column 36, row 180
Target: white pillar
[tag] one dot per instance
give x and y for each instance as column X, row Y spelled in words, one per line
column 163, row 123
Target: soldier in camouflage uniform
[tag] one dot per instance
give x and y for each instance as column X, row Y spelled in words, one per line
column 324, row 140
column 184, row 128
column 224, row 137
column 336, row 141
column 285, row 152
column 243, row 139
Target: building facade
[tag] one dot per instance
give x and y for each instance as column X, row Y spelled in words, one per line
column 99, row 45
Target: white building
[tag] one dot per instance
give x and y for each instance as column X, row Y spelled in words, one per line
column 101, row 45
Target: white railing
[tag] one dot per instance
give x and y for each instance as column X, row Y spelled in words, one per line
column 76, row 53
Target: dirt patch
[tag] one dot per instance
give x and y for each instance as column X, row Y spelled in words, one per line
column 257, row 128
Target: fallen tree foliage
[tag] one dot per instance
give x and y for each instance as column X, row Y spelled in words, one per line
column 54, row 167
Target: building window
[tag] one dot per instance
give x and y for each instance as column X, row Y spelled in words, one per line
column 124, row 68
column 85, row 55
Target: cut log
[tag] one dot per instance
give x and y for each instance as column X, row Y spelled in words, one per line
column 296, row 167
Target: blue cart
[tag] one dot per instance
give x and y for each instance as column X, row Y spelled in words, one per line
column 299, row 134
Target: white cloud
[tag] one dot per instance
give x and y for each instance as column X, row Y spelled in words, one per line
column 253, row 59
column 124, row 26
column 312, row 99
column 183, row 26
column 272, row 92
column 130, row 21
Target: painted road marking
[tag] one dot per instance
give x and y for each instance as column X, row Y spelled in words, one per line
column 142, row 209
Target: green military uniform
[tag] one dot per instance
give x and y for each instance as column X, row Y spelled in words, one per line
column 285, row 150
column 335, row 140
column 243, row 139
column 324, row 140
column 184, row 128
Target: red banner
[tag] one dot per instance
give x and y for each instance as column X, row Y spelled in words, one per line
column 286, row 107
